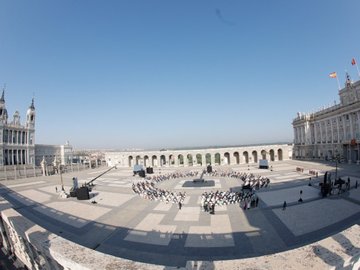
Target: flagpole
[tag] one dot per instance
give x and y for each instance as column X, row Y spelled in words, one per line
column 337, row 79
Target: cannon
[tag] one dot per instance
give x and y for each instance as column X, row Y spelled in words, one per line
column 83, row 192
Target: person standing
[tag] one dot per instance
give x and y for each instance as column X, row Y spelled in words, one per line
column 284, row 206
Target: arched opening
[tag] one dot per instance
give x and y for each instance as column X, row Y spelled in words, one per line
column 146, row 161
column 208, row 159
column 217, row 159
column 181, row 159
column 272, row 155
column 280, row 154
column 199, row 159
column 237, row 158
column 137, row 160
column 189, row 159
column 130, row 161
column 171, row 159
column 263, row 154
column 227, row 158
column 255, row 156
column 162, row 160
column 154, row 161
column 246, row 157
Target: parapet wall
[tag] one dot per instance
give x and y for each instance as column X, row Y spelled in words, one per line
column 39, row 249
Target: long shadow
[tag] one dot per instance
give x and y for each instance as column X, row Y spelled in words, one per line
column 164, row 248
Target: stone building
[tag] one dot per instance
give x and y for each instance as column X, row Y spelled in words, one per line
column 333, row 132
column 200, row 157
column 62, row 153
column 17, row 141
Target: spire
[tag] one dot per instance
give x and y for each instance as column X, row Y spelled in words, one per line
column 2, row 99
column 32, row 104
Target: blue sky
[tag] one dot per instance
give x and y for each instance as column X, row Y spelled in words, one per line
column 164, row 74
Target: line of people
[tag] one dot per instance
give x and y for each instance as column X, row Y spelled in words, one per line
column 147, row 190
column 244, row 198
column 250, row 180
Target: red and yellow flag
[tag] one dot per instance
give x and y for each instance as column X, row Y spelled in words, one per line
column 333, row 75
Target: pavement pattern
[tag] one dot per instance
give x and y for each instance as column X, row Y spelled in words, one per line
column 118, row 222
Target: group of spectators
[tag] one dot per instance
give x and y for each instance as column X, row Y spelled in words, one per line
column 244, row 198
column 147, row 190
column 250, row 180
column 209, row 200
column 174, row 175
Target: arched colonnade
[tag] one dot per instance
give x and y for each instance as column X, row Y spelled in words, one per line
column 202, row 157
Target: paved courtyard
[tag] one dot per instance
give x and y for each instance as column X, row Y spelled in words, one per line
column 123, row 224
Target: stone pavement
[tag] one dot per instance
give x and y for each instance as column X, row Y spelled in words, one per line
column 122, row 224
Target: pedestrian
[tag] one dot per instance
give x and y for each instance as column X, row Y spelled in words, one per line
column 56, row 189
column 284, row 205
column 348, row 183
column 310, row 182
column 180, row 204
column 301, row 200
column 256, row 201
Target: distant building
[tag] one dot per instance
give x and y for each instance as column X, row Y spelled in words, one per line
column 333, row 132
column 62, row 153
column 200, row 157
column 17, row 141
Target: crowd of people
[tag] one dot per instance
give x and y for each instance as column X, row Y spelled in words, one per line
column 147, row 190
column 173, row 175
column 244, row 198
column 250, row 180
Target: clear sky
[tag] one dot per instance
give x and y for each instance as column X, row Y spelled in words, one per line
column 165, row 74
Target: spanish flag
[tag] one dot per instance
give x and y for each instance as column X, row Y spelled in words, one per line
column 353, row 62
column 333, row 75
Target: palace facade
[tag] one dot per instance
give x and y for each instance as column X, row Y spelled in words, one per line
column 17, row 141
column 200, row 157
column 331, row 133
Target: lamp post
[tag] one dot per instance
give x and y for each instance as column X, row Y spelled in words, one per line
column 57, row 164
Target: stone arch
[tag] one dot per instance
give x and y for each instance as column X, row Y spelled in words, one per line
column 199, row 159
column 146, row 161
column 217, row 159
column 227, row 158
column 190, row 161
column 162, row 160
column 254, row 156
column 130, row 161
column 154, row 161
column 263, row 154
column 236, row 157
column 171, row 160
column 272, row 155
column 137, row 160
column 208, row 159
column 280, row 154
column 246, row 157
column 181, row 159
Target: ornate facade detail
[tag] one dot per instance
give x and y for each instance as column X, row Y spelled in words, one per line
column 17, row 141
column 333, row 132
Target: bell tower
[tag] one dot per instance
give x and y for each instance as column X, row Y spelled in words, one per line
column 30, row 116
column 3, row 111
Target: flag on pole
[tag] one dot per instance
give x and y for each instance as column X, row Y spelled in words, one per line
column 333, row 75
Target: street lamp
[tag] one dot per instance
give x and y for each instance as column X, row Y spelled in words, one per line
column 57, row 164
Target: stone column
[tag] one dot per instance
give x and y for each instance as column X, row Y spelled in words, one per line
column 212, row 159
